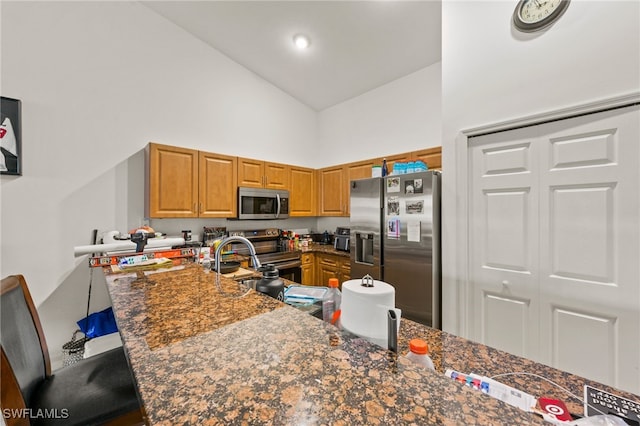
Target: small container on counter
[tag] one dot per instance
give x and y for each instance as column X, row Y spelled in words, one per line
column 331, row 303
column 419, row 353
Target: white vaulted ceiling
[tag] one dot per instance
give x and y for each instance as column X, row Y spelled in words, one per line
column 355, row 46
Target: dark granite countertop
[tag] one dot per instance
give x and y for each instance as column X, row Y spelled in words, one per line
column 202, row 354
column 324, row 248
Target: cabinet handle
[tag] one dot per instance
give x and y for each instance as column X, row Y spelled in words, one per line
column 200, row 209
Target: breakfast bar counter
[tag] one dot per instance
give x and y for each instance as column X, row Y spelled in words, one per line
column 207, row 352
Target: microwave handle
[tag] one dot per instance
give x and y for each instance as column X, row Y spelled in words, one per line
column 278, row 212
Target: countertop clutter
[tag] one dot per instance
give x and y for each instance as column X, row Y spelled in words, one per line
column 207, row 353
column 322, row 248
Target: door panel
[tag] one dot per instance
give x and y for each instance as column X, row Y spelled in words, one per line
column 507, row 224
column 276, row 176
column 218, row 185
column 554, row 228
column 590, row 246
column 173, row 181
column 250, row 173
column 503, row 232
column 506, row 322
column 302, row 192
column 572, row 352
column 575, row 253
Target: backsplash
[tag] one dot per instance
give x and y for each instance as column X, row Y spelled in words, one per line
column 175, row 226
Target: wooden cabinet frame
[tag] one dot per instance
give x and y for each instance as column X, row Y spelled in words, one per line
column 184, row 182
column 262, row 174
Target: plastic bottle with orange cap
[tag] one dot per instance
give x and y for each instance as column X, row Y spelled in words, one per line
column 419, row 353
column 331, row 303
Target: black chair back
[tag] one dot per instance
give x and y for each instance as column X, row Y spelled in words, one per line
column 19, row 338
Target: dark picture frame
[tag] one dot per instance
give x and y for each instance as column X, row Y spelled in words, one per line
column 10, row 136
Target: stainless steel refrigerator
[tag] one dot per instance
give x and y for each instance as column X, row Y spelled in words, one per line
column 395, row 238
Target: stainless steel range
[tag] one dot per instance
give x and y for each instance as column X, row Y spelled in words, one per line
column 269, row 250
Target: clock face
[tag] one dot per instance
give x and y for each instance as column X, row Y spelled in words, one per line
column 532, row 15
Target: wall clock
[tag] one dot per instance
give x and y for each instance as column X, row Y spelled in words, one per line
column 534, row 15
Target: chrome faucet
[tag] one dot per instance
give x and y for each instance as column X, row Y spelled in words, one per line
column 236, row 239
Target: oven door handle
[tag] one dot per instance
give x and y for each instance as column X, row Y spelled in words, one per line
column 288, row 265
column 278, row 199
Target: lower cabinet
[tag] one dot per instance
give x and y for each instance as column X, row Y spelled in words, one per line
column 317, row 268
column 308, row 269
column 332, row 266
column 344, row 269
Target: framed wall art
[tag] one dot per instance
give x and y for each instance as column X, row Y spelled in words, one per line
column 10, row 136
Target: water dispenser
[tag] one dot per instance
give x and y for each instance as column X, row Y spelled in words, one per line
column 364, row 248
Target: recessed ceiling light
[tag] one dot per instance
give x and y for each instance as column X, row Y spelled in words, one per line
column 301, row 41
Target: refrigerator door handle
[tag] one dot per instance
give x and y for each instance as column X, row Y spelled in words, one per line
column 437, row 248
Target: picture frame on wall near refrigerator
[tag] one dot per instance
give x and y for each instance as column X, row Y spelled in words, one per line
column 10, row 136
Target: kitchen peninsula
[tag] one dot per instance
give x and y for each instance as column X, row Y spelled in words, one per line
column 212, row 353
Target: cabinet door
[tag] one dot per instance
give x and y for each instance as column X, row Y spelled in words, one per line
column 302, row 191
column 173, row 181
column 503, row 212
column 327, row 267
column 218, row 185
column 276, row 176
column 555, row 242
column 391, row 159
column 308, row 277
column 308, row 269
column 324, row 273
column 250, row 173
column 332, row 200
column 590, row 246
column 432, row 157
column 345, row 270
column 358, row 170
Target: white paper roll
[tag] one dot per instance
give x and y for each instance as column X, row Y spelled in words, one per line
column 152, row 244
column 365, row 309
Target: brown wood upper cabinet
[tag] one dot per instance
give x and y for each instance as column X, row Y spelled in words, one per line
column 333, row 186
column 302, row 191
column 357, row 170
column 185, row 182
column 332, row 194
column 334, row 181
column 431, row 156
column 262, row 174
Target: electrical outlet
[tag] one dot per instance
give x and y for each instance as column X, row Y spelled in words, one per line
column 608, row 403
column 511, row 396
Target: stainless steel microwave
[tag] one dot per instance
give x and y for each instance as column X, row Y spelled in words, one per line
column 255, row 203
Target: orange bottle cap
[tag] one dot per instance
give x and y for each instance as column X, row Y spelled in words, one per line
column 333, row 282
column 418, row 346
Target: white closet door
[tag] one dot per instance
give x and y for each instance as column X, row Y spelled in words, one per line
column 503, row 224
column 589, row 246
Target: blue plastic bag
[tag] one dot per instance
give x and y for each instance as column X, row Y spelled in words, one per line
column 98, row 324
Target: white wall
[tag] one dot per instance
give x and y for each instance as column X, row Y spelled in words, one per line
column 98, row 81
column 492, row 73
column 401, row 116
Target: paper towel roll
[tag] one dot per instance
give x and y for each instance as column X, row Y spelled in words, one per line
column 152, row 244
column 364, row 309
